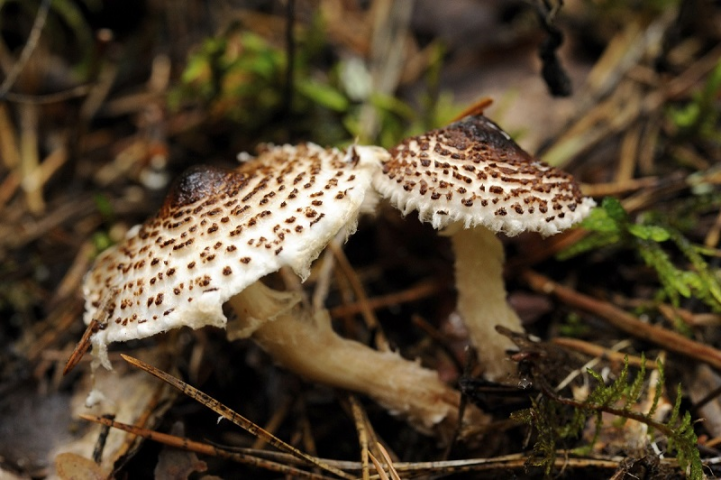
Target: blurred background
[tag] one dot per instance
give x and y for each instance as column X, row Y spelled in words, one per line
column 103, row 103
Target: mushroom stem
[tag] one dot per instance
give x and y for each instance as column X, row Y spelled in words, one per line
column 307, row 345
column 255, row 306
column 482, row 298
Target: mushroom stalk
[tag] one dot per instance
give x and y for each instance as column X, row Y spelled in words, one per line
column 307, row 345
column 482, row 298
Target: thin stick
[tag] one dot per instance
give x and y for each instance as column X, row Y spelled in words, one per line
column 9, row 150
column 382, row 475
column 229, row 414
column 588, row 365
column 539, row 251
column 82, row 206
column 275, row 421
column 516, row 460
column 8, row 187
column 29, row 159
column 416, row 292
column 287, row 108
column 620, row 187
column 359, row 419
column 82, row 347
column 306, row 431
column 28, row 49
column 602, row 352
column 386, row 59
column 470, row 359
column 477, row 108
column 51, row 164
column 626, row 322
column 159, row 393
column 320, row 293
column 440, row 339
column 357, row 286
column 346, row 296
column 628, row 155
column 102, row 439
column 714, row 233
column 707, row 398
column 57, row 323
column 70, row 283
column 389, row 461
column 97, row 323
column 63, row 96
column 203, row 448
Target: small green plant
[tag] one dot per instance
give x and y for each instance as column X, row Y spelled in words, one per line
column 699, row 118
column 556, row 419
column 652, row 239
column 574, row 326
column 242, row 77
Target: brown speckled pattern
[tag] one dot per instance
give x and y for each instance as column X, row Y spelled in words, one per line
column 218, row 232
column 472, row 172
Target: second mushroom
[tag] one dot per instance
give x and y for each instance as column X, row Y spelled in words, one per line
column 471, row 180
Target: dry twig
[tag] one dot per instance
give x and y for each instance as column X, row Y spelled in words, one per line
column 234, row 417
column 204, row 448
column 625, row 322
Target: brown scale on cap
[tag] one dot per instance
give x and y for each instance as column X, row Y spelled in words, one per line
column 218, row 232
column 474, row 173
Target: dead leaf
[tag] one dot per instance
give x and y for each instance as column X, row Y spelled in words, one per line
column 71, row 466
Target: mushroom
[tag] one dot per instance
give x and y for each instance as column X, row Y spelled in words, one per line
column 473, row 181
column 218, row 233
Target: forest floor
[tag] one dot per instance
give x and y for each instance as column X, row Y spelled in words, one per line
column 103, row 104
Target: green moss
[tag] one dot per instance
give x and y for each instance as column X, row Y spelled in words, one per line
column 654, row 238
column 557, row 420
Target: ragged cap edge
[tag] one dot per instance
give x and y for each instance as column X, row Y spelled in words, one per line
column 218, row 232
column 473, row 173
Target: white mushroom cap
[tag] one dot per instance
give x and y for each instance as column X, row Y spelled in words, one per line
column 218, row 232
column 472, row 172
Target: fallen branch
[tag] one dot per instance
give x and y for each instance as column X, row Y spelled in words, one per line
column 626, row 322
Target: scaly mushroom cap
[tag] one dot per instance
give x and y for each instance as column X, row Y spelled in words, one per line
column 472, row 172
column 218, row 232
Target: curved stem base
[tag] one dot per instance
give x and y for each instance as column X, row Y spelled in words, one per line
column 308, row 346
